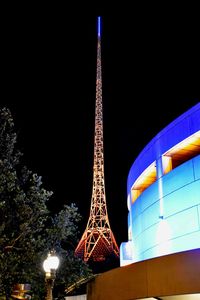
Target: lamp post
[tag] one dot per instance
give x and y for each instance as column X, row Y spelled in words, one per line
column 50, row 266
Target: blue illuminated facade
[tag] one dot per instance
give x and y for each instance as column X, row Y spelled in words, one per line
column 163, row 191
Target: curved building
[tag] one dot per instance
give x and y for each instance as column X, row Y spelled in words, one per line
column 164, row 193
column 162, row 255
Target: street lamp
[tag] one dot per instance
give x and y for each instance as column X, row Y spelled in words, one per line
column 50, row 266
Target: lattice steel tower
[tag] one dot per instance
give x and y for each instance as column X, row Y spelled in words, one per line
column 98, row 241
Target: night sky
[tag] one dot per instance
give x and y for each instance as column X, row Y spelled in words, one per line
column 150, row 69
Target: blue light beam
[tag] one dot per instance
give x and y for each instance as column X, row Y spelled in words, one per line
column 99, row 26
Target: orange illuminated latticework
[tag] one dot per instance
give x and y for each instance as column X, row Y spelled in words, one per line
column 98, row 241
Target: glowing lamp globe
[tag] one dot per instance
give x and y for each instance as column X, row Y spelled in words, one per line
column 51, row 263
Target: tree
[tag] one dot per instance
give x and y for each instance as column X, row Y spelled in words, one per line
column 27, row 228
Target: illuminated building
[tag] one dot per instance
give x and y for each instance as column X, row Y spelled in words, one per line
column 98, row 242
column 161, row 259
column 164, row 193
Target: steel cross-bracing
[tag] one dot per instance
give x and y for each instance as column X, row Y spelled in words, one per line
column 98, row 241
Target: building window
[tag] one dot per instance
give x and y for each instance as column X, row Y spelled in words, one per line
column 147, row 177
column 182, row 152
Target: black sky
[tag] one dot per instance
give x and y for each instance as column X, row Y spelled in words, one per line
column 150, row 68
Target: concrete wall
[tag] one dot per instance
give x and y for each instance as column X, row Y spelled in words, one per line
column 172, row 274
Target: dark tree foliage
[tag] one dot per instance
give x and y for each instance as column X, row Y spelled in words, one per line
column 27, row 229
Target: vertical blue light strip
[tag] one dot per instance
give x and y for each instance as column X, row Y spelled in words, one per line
column 99, row 26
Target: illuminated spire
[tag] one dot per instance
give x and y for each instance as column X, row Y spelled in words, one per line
column 98, row 241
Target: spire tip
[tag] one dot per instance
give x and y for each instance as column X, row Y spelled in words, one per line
column 99, row 26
